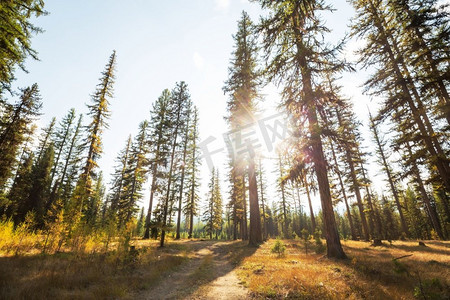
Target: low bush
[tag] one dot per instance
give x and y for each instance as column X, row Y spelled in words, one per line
column 279, row 248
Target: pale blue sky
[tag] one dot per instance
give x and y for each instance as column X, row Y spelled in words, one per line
column 158, row 43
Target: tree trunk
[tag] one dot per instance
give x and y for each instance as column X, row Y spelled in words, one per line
column 244, row 217
column 180, row 200
column 149, row 212
column 262, row 202
column 311, row 211
column 234, row 223
column 283, row 199
column 334, row 247
column 255, row 236
column 166, row 206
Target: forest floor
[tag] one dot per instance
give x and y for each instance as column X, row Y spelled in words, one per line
column 199, row 269
column 397, row 270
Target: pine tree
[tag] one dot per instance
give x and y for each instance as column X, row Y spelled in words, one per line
column 390, row 227
column 419, row 186
column 99, row 113
column 244, row 222
column 62, row 136
column 208, row 214
column 39, row 188
column 282, row 190
column 179, row 100
column 159, row 137
column 95, row 201
column 387, row 169
column 296, row 56
column 15, row 129
column 70, row 168
column 350, row 138
column 342, row 189
column 187, row 120
column 61, row 140
column 118, row 177
column 393, row 78
column 16, row 31
column 46, row 138
column 408, row 144
column 218, row 205
column 236, row 201
column 242, row 85
column 374, row 222
column 417, row 224
column 25, row 148
column 424, row 32
column 140, row 223
column 213, row 211
column 135, row 175
column 192, row 181
column 262, row 196
column 307, row 185
column 20, row 190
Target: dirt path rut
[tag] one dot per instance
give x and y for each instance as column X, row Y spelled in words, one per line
column 208, row 275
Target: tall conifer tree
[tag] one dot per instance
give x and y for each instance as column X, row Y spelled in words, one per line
column 298, row 59
column 99, row 113
column 16, row 126
column 242, row 85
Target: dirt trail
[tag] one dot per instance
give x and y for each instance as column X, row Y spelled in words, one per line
column 208, row 275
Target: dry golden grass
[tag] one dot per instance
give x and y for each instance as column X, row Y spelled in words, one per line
column 108, row 275
column 369, row 273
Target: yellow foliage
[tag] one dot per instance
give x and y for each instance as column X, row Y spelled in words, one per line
column 19, row 240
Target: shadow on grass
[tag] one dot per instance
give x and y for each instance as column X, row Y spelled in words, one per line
column 376, row 264
column 108, row 275
column 425, row 248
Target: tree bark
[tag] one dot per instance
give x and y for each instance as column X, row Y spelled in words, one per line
column 255, row 237
column 166, row 206
column 180, row 200
column 311, row 211
column 262, row 201
column 244, row 232
column 334, row 247
column 283, row 199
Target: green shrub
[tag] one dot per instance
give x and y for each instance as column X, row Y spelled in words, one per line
column 430, row 289
column 320, row 247
column 279, row 248
column 306, row 237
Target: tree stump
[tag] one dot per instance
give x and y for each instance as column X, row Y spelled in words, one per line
column 377, row 242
